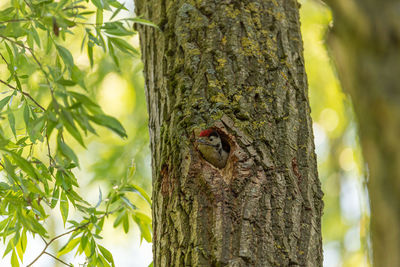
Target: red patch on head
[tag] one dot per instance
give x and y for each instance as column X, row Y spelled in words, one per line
column 206, row 132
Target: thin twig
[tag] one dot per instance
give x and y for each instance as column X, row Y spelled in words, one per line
column 24, row 93
column 3, row 58
column 44, row 240
column 28, row 4
column 48, row 149
column 14, row 88
column 14, row 20
column 54, row 239
column 54, row 257
column 34, row 58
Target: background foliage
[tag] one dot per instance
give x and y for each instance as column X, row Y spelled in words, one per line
column 89, row 74
column 346, row 213
column 50, row 115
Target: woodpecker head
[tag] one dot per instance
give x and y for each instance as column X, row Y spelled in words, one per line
column 213, row 148
column 210, row 137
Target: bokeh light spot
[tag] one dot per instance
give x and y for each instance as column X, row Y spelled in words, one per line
column 346, row 159
column 115, row 97
column 328, row 119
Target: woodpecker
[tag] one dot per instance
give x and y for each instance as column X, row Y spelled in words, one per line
column 213, row 148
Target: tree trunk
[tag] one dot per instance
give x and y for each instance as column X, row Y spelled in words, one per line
column 365, row 43
column 236, row 66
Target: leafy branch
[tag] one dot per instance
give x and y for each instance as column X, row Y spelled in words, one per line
column 48, row 243
column 31, row 45
column 24, row 93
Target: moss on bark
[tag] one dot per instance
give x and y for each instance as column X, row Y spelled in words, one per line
column 236, row 66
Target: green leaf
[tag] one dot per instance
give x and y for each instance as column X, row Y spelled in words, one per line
column 86, row 13
column 35, row 128
column 23, row 241
column 117, row 4
column 120, row 7
column 92, row 247
column 69, row 246
column 137, row 189
column 98, row 3
column 64, row 207
column 55, row 197
column 51, row 122
column 143, row 22
column 144, row 223
column 128, row 202
column 14, row 260
column 68, row 121
column 35, row 35
column 49, row 43
column 131, row 170
column 65, row 55
column 68, row 152
column 90, row 52
column 112, row 53
column 33, row 225
column 11, row 56
column 20, row 253
column 11, row 121
column 101, row 39
column 109, row 122
column 17, row 79
column 117, row 28
column 82, row 119
column 66, row 82
column 78, row 76
column 74, row 132
column 24, row 164
column 100, row 199
column 99, row 17
column 10, row 169
column 84, row 240
column 4, row 102
column 124, row 46
column 9, row 247
column 4, row 222
column 83, row 99
column 26, row 114
column 7, row 13
column 119, row 218
column 101, row 261
column 100, row 226
column 125, row 223
column 107, row 254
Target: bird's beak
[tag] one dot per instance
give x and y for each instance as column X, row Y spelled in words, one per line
column 201, row 141
column 204, row 142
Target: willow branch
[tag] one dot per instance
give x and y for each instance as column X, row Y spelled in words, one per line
column 54, row 239
column 24, row 93
column 35, row 59
column 57, row 259
column 14, row 20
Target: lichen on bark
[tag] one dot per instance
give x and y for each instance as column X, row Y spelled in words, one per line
column 236, row 66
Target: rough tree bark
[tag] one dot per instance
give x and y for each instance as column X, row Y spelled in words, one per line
column 365, row 43
column 236, row 66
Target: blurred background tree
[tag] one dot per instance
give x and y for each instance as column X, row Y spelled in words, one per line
column 345, row 225
column 365, row 45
